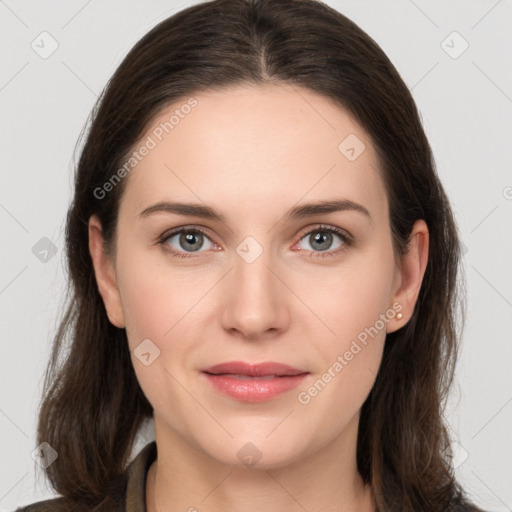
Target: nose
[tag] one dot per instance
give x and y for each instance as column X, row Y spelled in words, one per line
column 255, row 304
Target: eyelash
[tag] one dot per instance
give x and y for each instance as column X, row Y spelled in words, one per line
column 345, row 237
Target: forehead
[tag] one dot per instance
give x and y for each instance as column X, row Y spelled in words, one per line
column 254, row 146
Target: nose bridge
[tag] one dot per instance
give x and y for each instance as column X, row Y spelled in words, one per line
column 252, row 263
column 253, row 304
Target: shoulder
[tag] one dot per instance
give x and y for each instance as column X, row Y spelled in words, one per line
column 129, row 486
column 49, row 505
column 466, row 506
column 61, row 504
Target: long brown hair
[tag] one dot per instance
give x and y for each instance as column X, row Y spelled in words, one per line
column 92, row 405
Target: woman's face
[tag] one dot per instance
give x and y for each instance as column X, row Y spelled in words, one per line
column 261, row 285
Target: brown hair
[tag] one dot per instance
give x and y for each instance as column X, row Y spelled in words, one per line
column 93, row 406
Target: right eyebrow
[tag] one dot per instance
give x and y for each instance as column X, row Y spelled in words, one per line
column 191, row 209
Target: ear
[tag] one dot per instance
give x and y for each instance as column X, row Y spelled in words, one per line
column 105, row 273
column 409, row 275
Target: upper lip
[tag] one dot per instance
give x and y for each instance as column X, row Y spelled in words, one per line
column 253, row 370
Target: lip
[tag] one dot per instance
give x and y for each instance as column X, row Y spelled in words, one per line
column 254, row 382
column 254, row 370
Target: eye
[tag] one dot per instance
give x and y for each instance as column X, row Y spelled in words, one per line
column 321, row 239
column 186, row 240
column 183, row 242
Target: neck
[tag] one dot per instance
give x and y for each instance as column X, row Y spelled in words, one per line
column 184, row 478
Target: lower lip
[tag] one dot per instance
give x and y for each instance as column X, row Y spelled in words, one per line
column 254, row 390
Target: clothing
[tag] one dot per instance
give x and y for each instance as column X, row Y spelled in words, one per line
column 133, row 481
column 132, row 489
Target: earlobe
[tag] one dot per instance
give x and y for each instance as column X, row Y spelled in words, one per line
column 413, row 266
column 105, row 273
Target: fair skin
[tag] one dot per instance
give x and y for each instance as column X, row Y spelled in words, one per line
column 252, row 153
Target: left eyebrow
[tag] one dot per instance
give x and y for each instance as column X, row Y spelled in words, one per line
column 325, row 207
column 297, row 212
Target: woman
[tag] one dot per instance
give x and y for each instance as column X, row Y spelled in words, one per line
column 263, row 261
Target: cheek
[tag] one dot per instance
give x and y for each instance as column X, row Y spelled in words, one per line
column 157, row 312
column 355, row 305
column 144, row 308
column 349, row 360
column 153, row 299
column 353, row 299
column 161, row 304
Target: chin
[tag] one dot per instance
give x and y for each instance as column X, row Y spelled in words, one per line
column 246, row 454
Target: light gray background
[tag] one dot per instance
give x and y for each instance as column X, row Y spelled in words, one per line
column 466, row 106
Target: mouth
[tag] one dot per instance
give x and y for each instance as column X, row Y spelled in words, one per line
column 241, row 368
column 254, row 382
